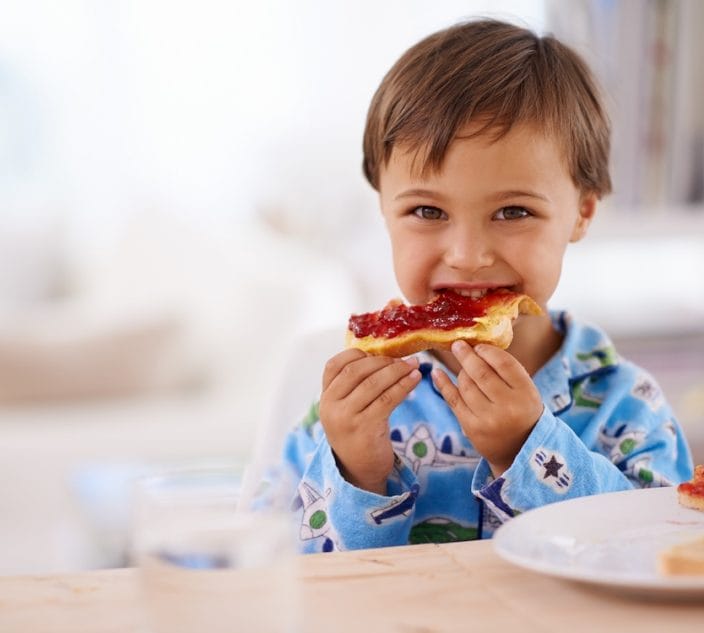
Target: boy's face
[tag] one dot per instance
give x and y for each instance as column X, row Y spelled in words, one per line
column 497, row 214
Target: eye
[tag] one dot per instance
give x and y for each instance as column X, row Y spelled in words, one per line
column 511, row 213
column 429, row 213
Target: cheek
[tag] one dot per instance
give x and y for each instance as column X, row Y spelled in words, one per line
column 543, row 267
column 412, row 265
column 407, row 262
column 402, row 243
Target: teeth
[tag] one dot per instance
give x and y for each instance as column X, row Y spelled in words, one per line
column 475, row 293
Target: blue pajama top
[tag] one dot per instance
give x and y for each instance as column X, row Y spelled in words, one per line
column 605, row 427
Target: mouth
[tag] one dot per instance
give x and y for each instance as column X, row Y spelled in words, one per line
column 472, row 293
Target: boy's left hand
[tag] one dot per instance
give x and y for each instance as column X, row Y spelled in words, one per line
column 495, row 401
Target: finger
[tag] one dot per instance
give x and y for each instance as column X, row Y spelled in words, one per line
column 355, row 373
column 474, row 398
column 505, row 365
column 390, row 398
column 450, row 393
column 335, row 365
column 376, row 384
column 480, row 371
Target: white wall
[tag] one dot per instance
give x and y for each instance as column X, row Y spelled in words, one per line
column 210, row 110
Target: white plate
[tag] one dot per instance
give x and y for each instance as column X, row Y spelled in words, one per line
column 610, row 540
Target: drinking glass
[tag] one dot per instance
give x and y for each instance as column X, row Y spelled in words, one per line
column 205, row 562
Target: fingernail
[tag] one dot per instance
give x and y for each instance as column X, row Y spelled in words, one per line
column 413, row 361
column 458, row 347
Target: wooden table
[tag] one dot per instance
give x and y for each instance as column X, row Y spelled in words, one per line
column 421, row 588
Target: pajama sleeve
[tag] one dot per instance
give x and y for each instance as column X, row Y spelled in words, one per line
column 335, row 515
column 621, row 434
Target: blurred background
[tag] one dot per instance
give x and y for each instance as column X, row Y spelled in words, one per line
column 182, row 203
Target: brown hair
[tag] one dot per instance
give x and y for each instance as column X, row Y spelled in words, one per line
column 499, row 75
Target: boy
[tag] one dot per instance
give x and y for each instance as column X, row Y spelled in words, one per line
column 489, row 149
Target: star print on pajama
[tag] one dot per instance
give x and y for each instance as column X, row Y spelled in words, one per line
column 550, row 469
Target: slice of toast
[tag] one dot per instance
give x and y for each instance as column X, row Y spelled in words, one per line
column 682, row 559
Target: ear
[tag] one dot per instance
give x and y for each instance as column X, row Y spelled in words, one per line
column 587, row 211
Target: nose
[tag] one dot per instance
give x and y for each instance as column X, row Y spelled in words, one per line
column 468, row 250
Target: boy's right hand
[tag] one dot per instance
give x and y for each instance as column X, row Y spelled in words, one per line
column 359, row 393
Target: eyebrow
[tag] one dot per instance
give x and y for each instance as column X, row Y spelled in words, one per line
column 414, row 193
column 502, row 195
column 520, row 193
